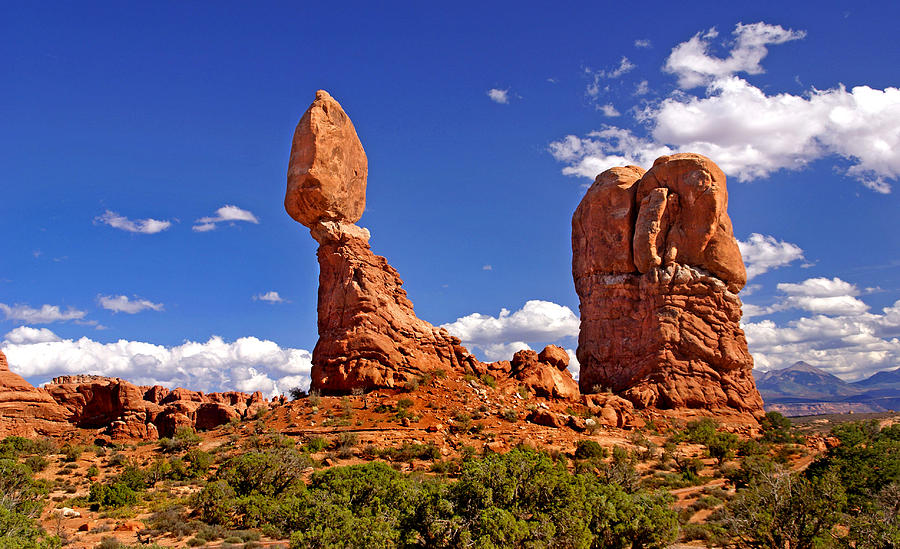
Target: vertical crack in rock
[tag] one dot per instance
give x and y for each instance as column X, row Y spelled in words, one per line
column 657, row 270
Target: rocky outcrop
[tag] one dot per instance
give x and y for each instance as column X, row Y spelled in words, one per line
column 113, row 406
column 26, row 410
column 369, row 334
column 657, row 270
column 132, row 411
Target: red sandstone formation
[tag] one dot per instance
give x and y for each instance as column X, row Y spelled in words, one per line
column 657, row 270
column 26, row 410
column 369, row 335
column 113, row 406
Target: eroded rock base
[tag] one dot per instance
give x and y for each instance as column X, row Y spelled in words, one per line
column 671, row 339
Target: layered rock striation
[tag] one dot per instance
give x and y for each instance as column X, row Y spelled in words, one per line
column 657, row 270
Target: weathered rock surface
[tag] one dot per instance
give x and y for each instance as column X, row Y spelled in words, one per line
column 115, row 407
column 26, row 410
column 545, row 374
column 132, row 411
column 369, row 335
column 657, row 270
column 328, row 167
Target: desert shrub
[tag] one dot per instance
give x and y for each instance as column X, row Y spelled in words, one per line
column 266, row 473
column 722, row 446
column 16, row 446
column 462, row 422
column 296, row 393
column 36, row 463
column 214, row 504
column 510, row 415
column 700, row 431
column 118, row 494
column 315, row 445
column 621, row 471
column 488, row 380
column 71, row 452
column 199, row 461
column 778, row 429
column 183, row 439
column 21, row 502
column 866, row 461
column 133, row 477
column 117, row 458
column 519, row 499
column 778, row 508
column 172, row 519
column 410, row 451
column 689, row 468
column 587, row 449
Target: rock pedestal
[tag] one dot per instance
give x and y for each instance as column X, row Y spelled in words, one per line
column 657, row 270
column 369, row 335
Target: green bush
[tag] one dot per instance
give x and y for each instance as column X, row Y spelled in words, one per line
column 72, row 452
column 520, row 499
column 21, row 502
column 183, row 439
column 315, row 445
column 118, row 494
column 587, row 449
column 778, row 429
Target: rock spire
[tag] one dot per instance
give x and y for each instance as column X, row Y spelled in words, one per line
column 657, row 270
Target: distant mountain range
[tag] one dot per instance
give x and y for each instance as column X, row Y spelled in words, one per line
column 803, row 389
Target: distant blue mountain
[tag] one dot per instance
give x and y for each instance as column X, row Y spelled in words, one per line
column 803, row 389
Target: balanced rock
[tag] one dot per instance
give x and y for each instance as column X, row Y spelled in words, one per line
column 328, row 167
column 369, row 334
column 657, row 270
column 26, row 410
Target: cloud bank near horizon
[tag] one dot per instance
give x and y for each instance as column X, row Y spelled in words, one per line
column 247, row 364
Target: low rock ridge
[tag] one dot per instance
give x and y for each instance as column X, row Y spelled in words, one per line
column 115, row 407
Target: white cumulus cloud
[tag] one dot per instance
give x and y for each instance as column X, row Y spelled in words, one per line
column 27, row 335
column 498, row 96
column 746, row 131
column 124, row 304
column 269, row 297
column 609, row 110
column 762, row 253
column 852, row 346
column 823, row 296
column 692, row 63
column 225, row 214
column 144, row 226
column 499, row 336
column 45, row 315
column 246, row 364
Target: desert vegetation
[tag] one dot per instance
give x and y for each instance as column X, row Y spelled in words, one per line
column 692, row 482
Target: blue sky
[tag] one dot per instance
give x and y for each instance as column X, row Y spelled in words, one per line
column 482, row 124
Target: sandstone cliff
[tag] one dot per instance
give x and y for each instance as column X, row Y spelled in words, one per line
column 657, row 270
